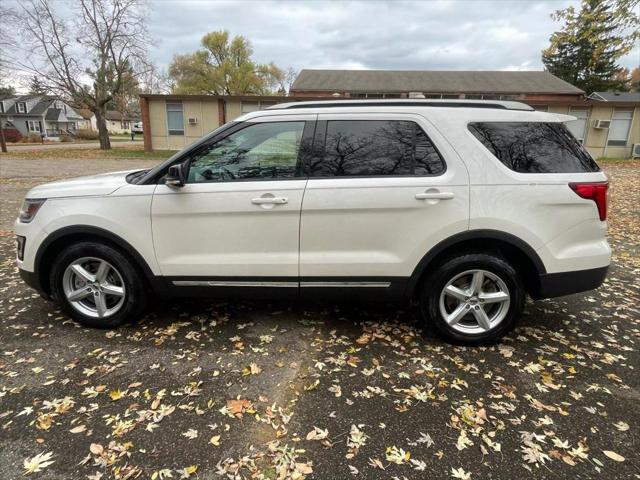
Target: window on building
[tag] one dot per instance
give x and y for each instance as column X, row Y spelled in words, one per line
column 34, row 126
column 432, row 95
column 260, row 151
column 534, row 147
column 21, row 107
column 376, row 148
column 374, row 95
column 450, row 96
column 246, row 107
column 541, row 108
column 509, row 97
column 473, row 96
column 620, row 127
column 254, row 106
column 175, row 118
column 1, row 107
column 578, row 127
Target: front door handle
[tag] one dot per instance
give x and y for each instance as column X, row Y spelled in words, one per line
column 269, row 200
column 434, row 196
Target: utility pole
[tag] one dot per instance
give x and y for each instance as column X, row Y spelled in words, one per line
column 3, row 143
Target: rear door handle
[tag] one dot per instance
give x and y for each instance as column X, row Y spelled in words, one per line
column 434, row 196
column 269, row 200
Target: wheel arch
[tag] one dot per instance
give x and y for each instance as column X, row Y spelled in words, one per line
column 515, row 250
column 57, row 240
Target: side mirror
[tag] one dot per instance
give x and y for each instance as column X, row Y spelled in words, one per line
column 175, row 176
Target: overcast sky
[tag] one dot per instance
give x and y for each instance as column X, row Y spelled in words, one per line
column 454, row 35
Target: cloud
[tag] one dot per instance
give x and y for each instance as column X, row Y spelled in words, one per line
column 487, row 35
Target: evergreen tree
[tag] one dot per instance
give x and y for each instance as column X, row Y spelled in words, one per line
column 586, row 51
column 36, row 87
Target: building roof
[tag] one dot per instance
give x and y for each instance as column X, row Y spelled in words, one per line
column 616, row 96
column 114, row 115
column 432, row 81
column 52, row 114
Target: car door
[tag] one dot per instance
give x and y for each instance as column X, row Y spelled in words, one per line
column 236, row 220
column 383, row 190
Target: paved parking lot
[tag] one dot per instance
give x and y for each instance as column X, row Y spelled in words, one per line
column 290, row 390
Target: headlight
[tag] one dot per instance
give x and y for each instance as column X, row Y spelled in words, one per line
column 29, row 209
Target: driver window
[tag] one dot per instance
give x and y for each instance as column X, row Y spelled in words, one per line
column 260, row 151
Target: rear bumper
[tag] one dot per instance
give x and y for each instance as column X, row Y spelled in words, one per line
column 566, row 283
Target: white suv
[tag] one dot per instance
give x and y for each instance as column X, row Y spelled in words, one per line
column 465, row 206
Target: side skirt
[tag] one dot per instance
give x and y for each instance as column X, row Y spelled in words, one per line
column 372, row 288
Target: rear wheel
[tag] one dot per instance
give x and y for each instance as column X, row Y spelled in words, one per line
column 473, row 299
column 97, row 285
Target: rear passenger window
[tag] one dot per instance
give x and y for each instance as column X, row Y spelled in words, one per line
column 376, row 148
column 534, row 147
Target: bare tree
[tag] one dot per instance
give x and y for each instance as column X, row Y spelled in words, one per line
column 92, row 56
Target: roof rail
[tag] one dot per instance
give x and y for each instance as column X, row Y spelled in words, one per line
column 504, row 105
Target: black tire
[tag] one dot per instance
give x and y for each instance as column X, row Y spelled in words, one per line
column 135, row 291
column 435, row 282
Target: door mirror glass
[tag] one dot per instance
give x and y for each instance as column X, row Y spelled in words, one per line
column 175, row 176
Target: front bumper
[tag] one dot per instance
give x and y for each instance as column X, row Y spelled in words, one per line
column 32, row 280
column 566, row 283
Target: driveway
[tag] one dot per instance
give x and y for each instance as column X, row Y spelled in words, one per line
column 204, row 389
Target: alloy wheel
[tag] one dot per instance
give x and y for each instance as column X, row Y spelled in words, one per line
column 474, row 301
column 94, row 287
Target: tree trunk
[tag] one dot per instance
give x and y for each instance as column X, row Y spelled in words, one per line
column 103, row 133
column 3, row 143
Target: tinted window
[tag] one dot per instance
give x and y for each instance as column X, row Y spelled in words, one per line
column 376, row 147
column 532, row 147
column 259, row 151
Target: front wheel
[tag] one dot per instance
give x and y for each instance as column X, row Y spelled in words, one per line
column 97, row 285
column 473, row 299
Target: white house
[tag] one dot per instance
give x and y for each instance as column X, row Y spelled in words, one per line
column 40, row 115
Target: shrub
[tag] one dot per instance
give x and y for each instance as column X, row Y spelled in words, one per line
column 85, row 134
column 32, row 138
column 12, row 135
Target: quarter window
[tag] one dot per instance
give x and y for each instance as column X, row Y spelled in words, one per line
column 175, row 118
column 620, row 127
column 258, row 152
column 376, row 148
column 534, row 147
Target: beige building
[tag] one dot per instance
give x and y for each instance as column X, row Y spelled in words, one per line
column 171, row 122
column 607, row 123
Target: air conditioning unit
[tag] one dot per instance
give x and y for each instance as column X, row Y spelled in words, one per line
column 601, row 124
column 193, row 121
column 635, row 151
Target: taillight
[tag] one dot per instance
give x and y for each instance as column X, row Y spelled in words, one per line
column 596, row 191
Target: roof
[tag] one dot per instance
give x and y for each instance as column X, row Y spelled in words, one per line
column 52, row 114
column 616, row 96
column 115, row 115
column 432, row 81
column 187, row 96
